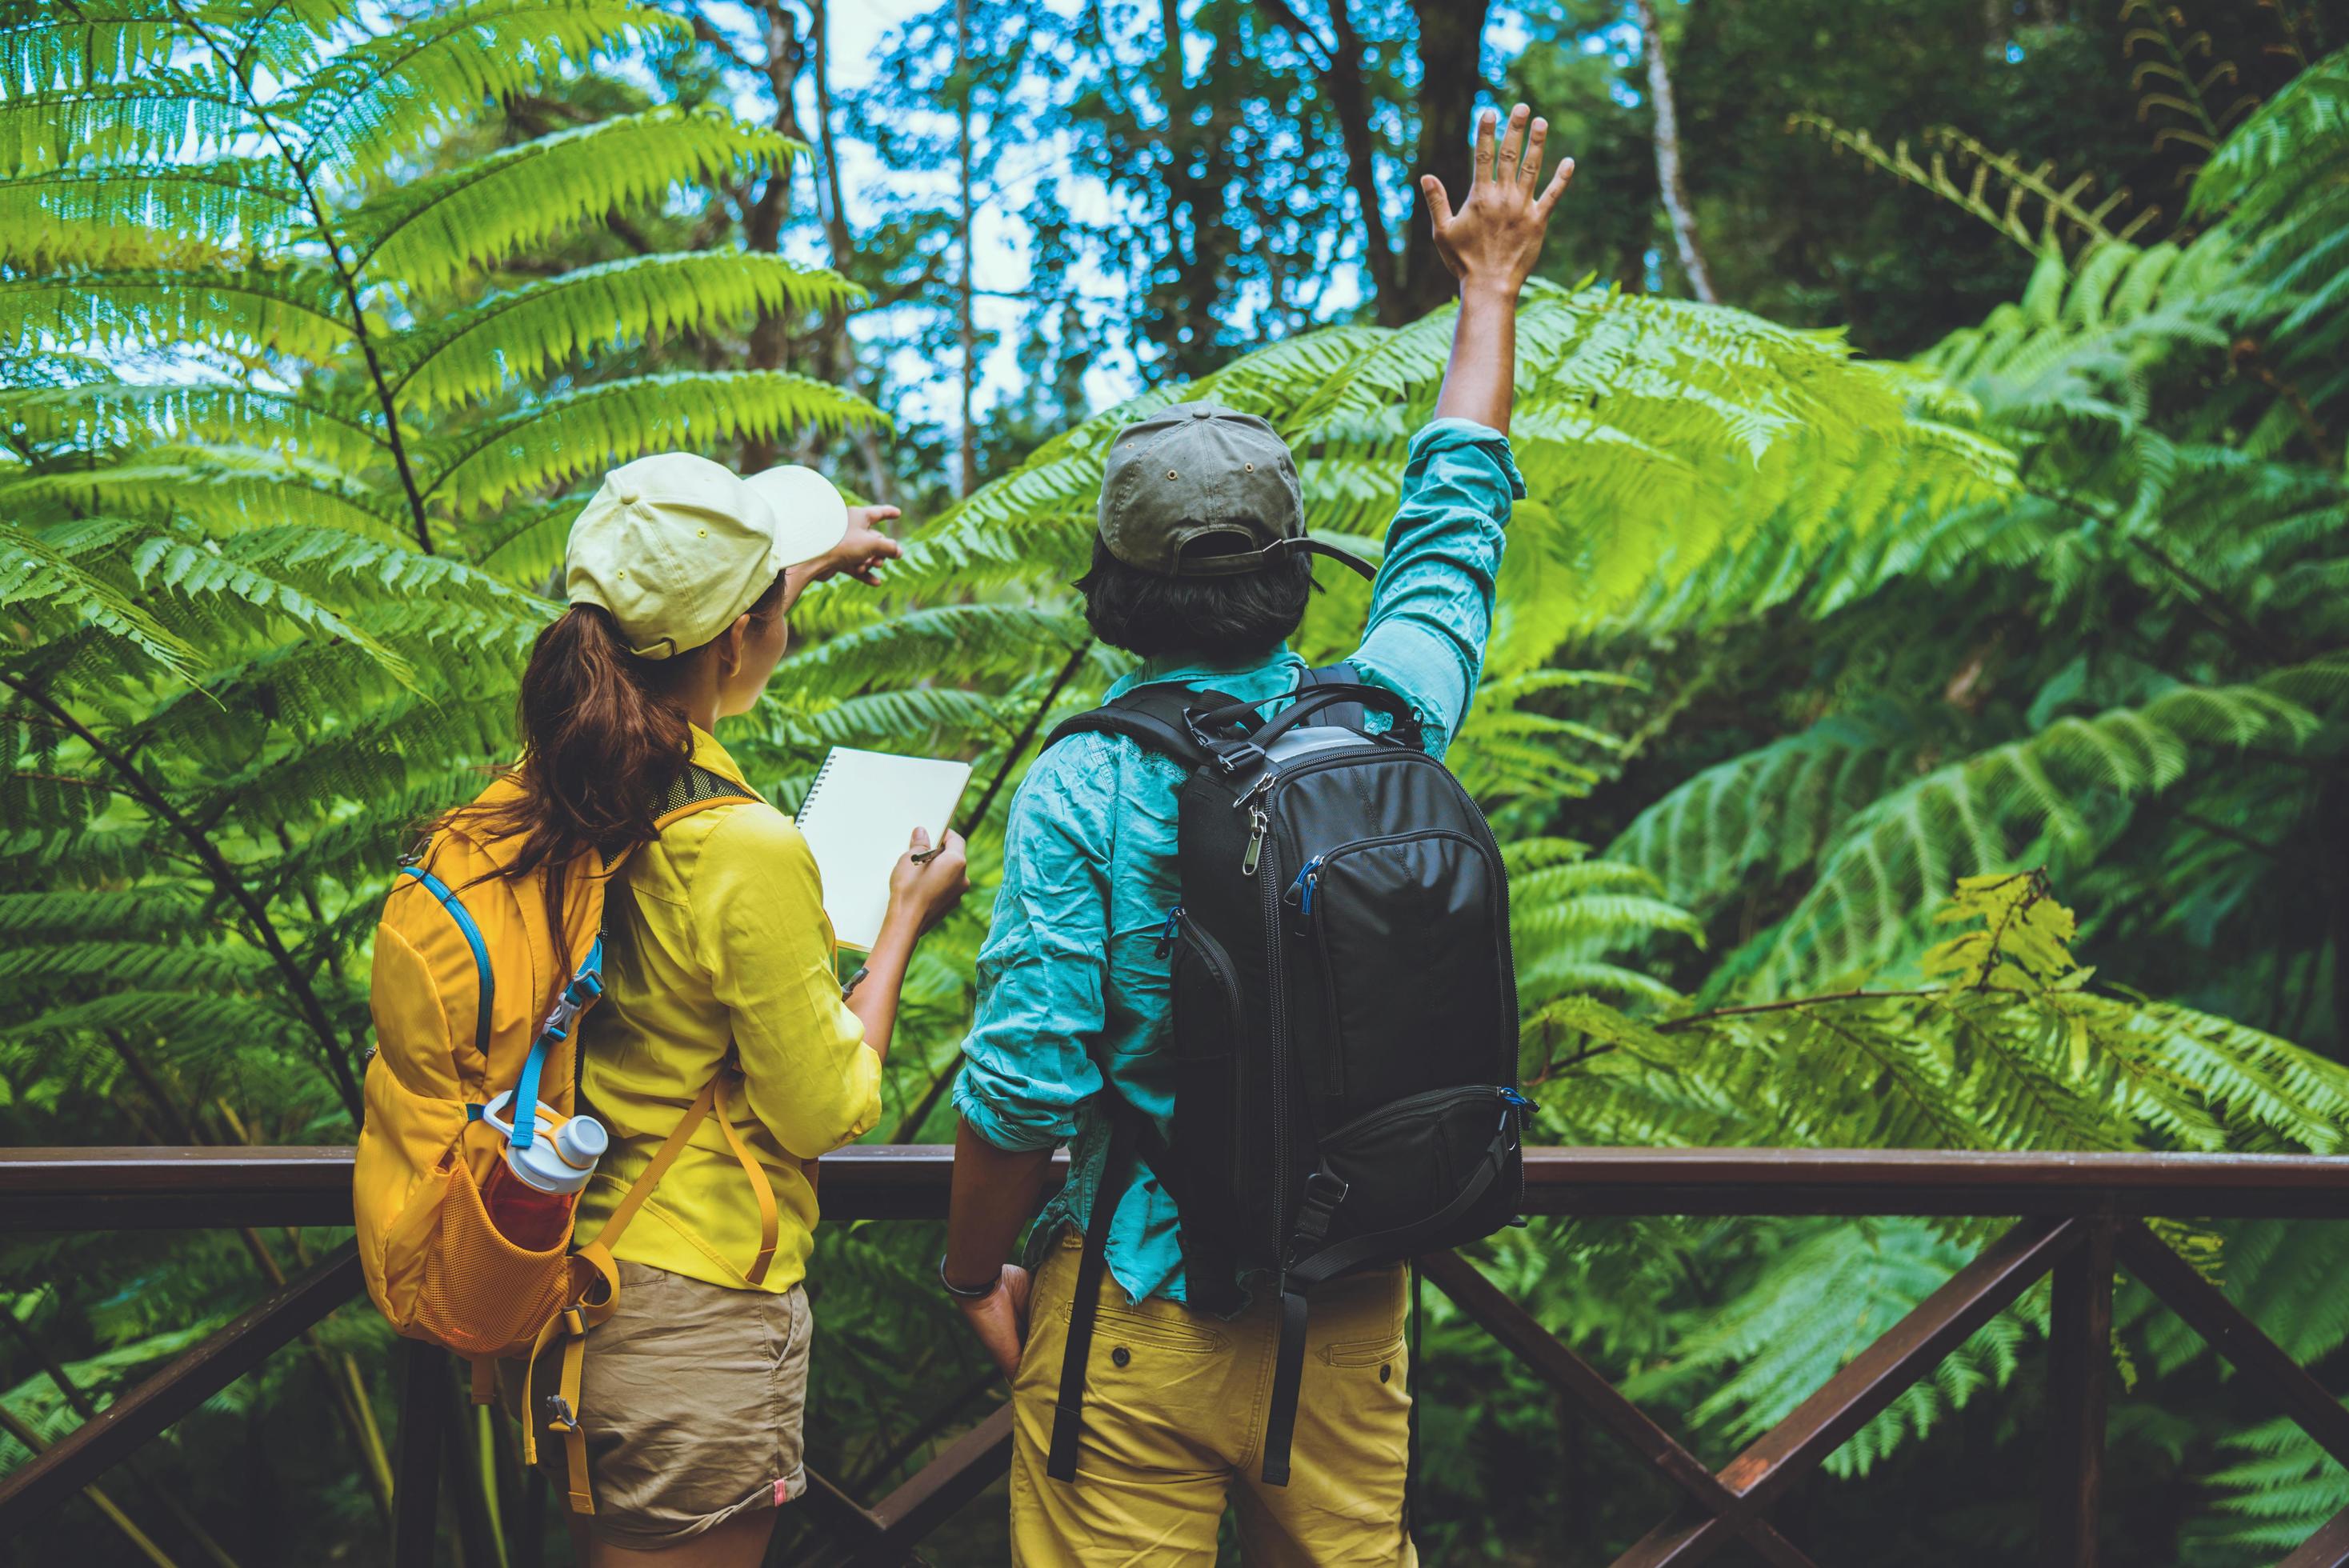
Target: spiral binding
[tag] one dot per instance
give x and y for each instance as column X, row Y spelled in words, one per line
column 807, row 801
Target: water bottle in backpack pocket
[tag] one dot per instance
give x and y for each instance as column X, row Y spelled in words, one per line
column 534, row 1188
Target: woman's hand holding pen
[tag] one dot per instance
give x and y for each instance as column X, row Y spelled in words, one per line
column 926, row 883
column 923, row 886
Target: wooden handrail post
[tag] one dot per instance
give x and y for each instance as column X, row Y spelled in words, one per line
column 426, row 1397
column 2079, row 1349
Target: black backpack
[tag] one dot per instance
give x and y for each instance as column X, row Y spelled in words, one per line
column 1345, row 1013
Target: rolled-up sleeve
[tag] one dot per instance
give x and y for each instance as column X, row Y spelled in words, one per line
column 759, row 920
column 1432, row 605
column 1025, row 1069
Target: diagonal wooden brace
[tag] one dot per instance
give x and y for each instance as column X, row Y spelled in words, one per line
column 1872, row 1381
column 2263, row 1363
column 1556, row 1364
column 31, row 1491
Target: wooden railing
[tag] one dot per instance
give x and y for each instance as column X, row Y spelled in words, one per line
column 2077, row 1217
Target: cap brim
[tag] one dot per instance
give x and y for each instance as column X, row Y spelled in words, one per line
column 810, row 516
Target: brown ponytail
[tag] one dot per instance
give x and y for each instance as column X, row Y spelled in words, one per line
column 605, row 738
column 602, row 741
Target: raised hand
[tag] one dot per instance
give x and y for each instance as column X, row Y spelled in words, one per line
column 1495, row 236
column 864, row 548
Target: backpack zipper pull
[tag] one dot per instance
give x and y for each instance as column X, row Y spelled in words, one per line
column 1166, row 933
column 1306, row 877
column 1256, row 791
column 1257, row 823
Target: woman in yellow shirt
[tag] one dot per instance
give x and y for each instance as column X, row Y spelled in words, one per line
column 680, row 575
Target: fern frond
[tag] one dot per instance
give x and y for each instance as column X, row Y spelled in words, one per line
column 86, row 46
column 69, row 914
column 163, row 113
column 292, row 310
column 1773, row 808
column 145, row 964
column 226, row 487
column 43, row 582
column 1890, row 861
column 383, row 96
column 204, row 1015
column 431, row 232
column 592, row 428
column 160, row 217
column 111, row 413
column 518, row 334
column 1782, row 1346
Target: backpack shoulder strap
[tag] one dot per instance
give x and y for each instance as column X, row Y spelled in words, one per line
column 1345, row 715
column 1150, row 716
column 697, row 790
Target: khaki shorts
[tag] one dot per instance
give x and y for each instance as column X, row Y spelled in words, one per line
column 691, row 1395
column 1173, row 1428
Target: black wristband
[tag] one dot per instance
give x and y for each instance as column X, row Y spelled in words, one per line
column 963, row 1293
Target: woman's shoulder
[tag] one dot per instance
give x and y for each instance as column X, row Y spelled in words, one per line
column 744, row 827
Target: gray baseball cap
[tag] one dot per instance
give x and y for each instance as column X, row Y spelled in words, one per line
column 1199, row 471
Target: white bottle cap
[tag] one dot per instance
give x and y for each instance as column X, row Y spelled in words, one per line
column 582, row 1141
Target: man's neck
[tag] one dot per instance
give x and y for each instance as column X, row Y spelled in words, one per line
column 1218, row 664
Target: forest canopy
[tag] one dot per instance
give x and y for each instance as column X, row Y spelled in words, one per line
column 1914, row 717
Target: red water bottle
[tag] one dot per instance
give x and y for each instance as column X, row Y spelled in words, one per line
column 533, row 1185
column 534, row 1221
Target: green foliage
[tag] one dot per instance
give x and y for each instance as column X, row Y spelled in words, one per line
column 247, row 649
column 319, row 343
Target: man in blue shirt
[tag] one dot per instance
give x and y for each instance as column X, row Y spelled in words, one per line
column 1070, row 986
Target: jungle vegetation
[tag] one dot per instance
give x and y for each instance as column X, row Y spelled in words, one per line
column 1936, row 745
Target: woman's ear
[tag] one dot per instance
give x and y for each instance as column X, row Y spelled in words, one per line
column 729, row 646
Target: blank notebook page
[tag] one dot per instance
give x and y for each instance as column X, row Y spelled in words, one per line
column 859, row 817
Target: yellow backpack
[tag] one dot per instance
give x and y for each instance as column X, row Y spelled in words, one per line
column 470, row 1000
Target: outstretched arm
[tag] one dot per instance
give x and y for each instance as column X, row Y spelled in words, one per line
column 1491, row 244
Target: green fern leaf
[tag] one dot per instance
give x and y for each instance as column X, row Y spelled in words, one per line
column 380, row 98
column 519, row 334
column 590, row 428
column 432, row 232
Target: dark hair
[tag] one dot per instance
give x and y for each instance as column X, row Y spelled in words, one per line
column 1220, row 618
column 605, row 738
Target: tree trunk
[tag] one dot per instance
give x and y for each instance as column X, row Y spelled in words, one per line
column 1667, row 158
column 966, row 328
column 1182, row 312
column 1338, row 63
column 1451, row 51
column 840, row 238
column 764, row 216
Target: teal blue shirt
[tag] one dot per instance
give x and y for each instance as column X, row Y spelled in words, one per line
column 1069, row 978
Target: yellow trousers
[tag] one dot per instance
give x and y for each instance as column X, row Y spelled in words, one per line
column 1173, row 1427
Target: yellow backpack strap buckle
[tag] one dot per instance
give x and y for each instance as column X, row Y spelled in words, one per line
column 562, row 1409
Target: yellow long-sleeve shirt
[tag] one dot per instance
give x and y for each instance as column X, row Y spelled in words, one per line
column 718, row 937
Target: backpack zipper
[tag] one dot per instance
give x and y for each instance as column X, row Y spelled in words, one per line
column 1209, row 955
column 1308, row 880
column 1260, row 822
column 1278, row 1031
column 1415, row 1104
column 1341, row 757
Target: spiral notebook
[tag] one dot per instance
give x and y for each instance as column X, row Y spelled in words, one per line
column 858, row 816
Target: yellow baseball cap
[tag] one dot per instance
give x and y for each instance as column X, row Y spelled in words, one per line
column 675, row 546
